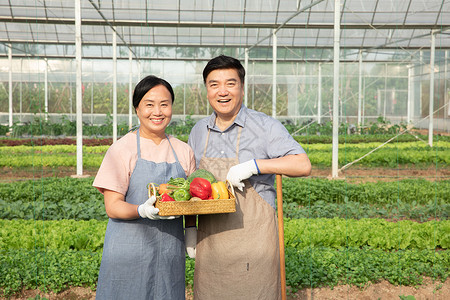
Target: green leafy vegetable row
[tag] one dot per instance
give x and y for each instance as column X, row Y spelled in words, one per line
column 355, row 210
column 299, row 233
column 390, row 155
column 75, row 198
column 55, row 270
column 315, row 266
column 373, row 233
column 307, row 191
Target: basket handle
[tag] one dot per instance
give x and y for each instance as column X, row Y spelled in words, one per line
column 151, row 189
column 231, row 188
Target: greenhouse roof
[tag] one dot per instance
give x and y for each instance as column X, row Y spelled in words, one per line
column 47, row 27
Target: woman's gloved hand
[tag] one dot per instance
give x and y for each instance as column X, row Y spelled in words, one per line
column 149, row 211
column 190, row 238
column 242, row 171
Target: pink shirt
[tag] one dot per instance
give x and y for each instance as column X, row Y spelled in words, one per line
column 119, row 161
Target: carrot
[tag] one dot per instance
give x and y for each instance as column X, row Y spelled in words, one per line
column 163, row 188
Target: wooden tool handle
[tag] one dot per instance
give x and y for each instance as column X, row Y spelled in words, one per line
column 281, row 236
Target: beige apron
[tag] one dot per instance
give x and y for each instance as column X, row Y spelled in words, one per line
column 237, row 253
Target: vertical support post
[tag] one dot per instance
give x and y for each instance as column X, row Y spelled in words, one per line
column 79, row 98
column 336, row 47
column 130, row 90
column 359, row 87
column 10, row 89
column 184, row 92
column 319, row 95
column 274, row 74
column 46, row 90
column 114, row 96
column 446, row 99
column 246, row 79
column 385, row 89
column 20, row 91
column 408, row 104
column 431, row 105
column 92, row 93
column 253, row 85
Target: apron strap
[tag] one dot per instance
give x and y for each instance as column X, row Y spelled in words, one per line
column 138, row 144
column 237, row 143
column 238, row 139
column 174, row 153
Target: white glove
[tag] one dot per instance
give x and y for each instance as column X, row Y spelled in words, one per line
column 149, row 211
column 190, row 238
column 240, row 172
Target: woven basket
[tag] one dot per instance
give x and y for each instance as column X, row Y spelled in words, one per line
column 195, row 206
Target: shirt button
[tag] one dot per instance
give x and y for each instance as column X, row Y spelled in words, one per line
column 223, row 133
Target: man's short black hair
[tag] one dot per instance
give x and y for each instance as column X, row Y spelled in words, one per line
column 224, row 62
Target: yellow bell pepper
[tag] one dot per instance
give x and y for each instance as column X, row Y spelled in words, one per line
column 219, row 190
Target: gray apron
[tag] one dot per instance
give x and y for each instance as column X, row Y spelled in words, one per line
column 142, row 258
column 237, row 254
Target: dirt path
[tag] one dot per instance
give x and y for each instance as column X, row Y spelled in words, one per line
column 382, row 290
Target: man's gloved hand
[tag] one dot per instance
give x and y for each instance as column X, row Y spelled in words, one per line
column 149, row 211
column 240, row 172
column 190, row 238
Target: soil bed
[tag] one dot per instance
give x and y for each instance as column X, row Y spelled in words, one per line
column 382, row 290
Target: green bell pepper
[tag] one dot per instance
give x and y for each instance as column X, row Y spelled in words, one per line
column 181, row 195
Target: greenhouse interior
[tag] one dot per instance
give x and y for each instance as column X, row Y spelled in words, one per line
column 362, row 85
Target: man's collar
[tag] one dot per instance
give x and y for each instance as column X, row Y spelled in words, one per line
column 240, row 119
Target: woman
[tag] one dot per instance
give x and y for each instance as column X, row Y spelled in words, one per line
column 143, row 253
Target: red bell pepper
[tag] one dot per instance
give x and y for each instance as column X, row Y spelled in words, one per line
column 200, row 188
column 165, row 197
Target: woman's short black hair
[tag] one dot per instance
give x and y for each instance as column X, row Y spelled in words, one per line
column 224, row 62
column 146, row 85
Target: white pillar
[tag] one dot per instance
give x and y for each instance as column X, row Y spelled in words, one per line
column 114, row 96
column 184, row 92
column 385, row 90
column 246, row 79
column 408, row 104
column 336, row 47
column 274, row 74
column 130, row 90
column 430, row 125
column 92, row 92
column 79, row 99
column 445, row 88
column 319, row 95
column 10, row 89
column 20, row 92
column 360, row 88
column 46, row 90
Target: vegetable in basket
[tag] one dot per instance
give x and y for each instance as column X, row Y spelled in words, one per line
column 178, row 183
column 219, row 190
column 202, row 173
column 165, row 197
column 200, row 188
column 181, row 195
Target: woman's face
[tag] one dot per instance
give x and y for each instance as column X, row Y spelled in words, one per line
column 155, row 112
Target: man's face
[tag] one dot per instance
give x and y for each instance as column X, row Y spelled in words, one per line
column 225, row 92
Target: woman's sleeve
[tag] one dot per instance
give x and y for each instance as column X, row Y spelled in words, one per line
column 114, row 172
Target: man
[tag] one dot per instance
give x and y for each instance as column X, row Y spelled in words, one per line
column 237, row 254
